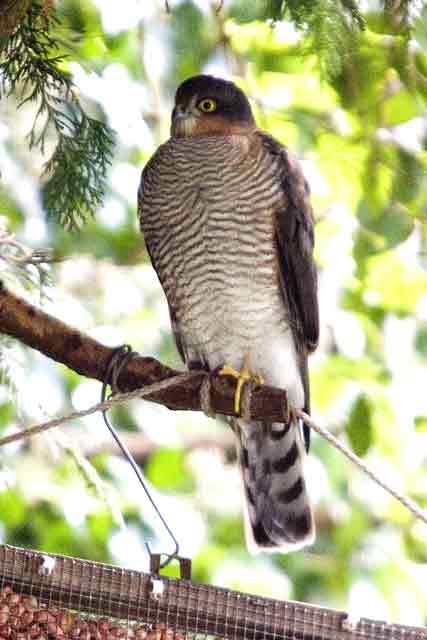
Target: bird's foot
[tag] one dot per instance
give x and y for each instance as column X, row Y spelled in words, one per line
column 243, row 376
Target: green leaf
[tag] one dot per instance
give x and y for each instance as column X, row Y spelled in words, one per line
column 394, row 283
column 99, row 527
column 193, row 38
column 77, row 170
column 419, row 32
column 242, row 11
column 7, row 413
column 227, row 532
column 400, row 108
column 421, row 423
column 167, row 470
column 421, row 340
column 359, row 425
column 367, row 243
column 409, row 178
column 350, row 535
column 337, row 372
column 392, row 225
column 415, row 547
column 12, row 509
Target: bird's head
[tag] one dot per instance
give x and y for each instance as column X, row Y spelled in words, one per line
column 205, row 105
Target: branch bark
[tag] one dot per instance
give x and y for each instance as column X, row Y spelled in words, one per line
column 88, row 357
column 12, row 12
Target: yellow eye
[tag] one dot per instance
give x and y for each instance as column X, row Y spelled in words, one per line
column 207, row 105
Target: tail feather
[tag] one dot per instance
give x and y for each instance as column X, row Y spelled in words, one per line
column 278, row 514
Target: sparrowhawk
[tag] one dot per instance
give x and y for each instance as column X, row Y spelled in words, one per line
column 226, row 216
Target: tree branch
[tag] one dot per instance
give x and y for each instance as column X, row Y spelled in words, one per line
column 11, row 14
column 90, row 358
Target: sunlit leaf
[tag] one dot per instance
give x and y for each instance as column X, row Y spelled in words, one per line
column 167, row 470
column 399, row 108
column 420, row 28
column 387, row 229
column 359, row 425
column 396, row 284
column 12, row 509
column 421, row 423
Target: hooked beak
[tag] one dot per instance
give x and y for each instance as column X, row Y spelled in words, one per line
column 183, row 121
column 180, row 113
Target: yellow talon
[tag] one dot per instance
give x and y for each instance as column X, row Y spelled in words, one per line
column 242, row 376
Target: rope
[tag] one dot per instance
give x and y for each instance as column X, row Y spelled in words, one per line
column 348, row 453
column 409, row 504
column 100, row 406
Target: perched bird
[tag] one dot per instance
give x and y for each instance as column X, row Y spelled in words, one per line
column 225, row 212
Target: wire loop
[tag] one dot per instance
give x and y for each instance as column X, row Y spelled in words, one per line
column 120, row 358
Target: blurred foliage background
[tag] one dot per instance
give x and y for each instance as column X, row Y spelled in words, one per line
column 344, row 85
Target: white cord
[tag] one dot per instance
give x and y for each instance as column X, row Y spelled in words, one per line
column 407, row 502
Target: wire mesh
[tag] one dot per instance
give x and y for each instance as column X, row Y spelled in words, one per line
column 51, row 597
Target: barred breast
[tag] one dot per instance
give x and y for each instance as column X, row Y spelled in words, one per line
column 206, row 211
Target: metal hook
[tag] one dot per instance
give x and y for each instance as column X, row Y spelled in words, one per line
column 155, row 566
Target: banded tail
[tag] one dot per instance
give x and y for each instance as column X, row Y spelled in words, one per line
column 278, row 516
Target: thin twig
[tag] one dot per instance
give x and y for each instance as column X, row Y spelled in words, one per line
column 219, row 7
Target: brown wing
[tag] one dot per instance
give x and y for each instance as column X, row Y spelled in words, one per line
column 297, row 271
